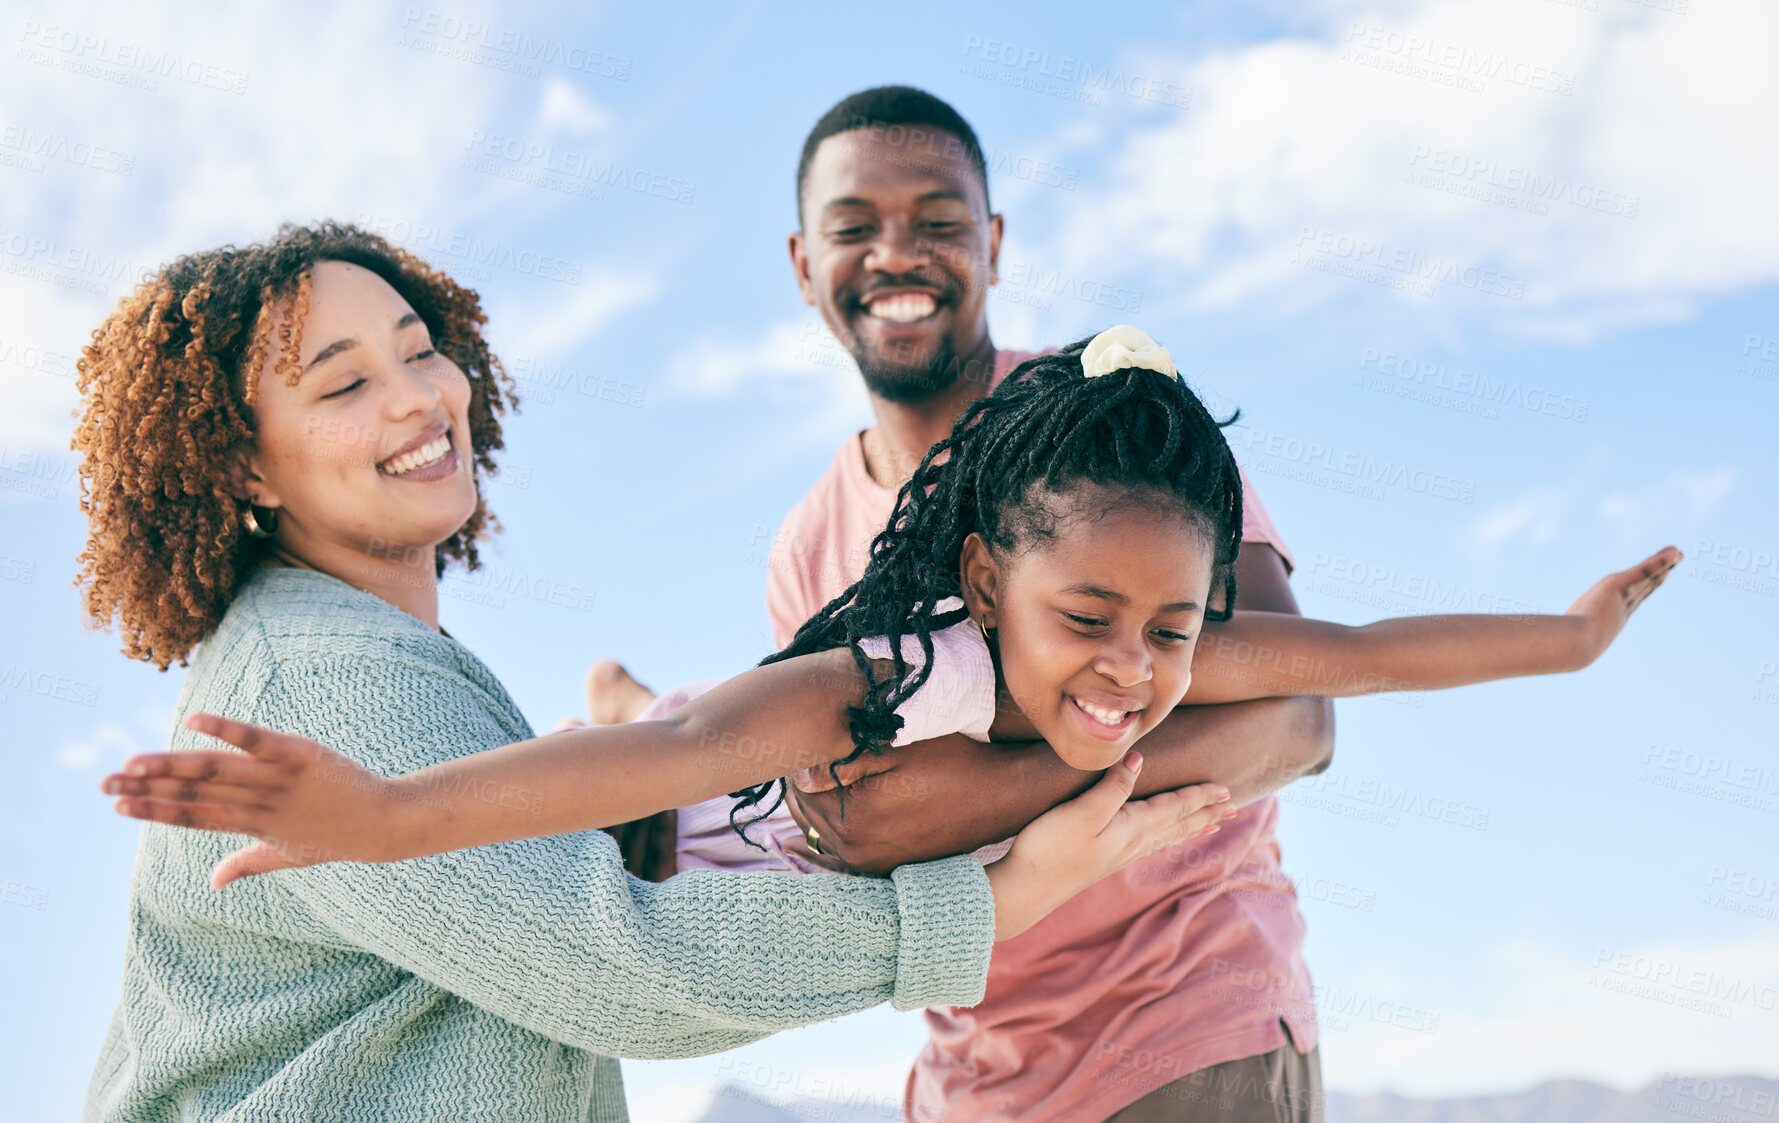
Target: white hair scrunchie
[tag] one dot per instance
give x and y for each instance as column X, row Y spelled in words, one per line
column 1125, row 346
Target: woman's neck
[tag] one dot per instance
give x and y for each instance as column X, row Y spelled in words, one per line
column 412, row 588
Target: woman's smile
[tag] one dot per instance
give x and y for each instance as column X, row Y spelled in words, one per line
column 429, row 456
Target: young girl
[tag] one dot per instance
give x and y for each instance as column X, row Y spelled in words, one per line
column 1059, row 568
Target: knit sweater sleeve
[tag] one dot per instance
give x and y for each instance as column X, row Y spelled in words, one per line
column 551, row 934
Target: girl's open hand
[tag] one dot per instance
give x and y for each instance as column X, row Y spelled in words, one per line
column 306, row 803
column 1609, row 604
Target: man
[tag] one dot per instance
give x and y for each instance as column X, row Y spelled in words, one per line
column 1174, row 990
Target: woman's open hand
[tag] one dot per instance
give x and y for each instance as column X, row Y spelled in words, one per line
column 1097, row 833
column 306, row 803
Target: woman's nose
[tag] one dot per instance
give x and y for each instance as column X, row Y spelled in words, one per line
column 412, row 390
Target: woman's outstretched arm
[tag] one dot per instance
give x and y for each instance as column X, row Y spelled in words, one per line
column 1265, row 655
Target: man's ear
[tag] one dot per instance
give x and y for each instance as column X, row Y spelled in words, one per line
column 800, row 266
column 994, row 249
column 981, row 578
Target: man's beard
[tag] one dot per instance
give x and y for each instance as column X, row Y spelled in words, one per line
column 910, row 383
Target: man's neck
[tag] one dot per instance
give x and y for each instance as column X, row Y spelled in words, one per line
column 904, row 431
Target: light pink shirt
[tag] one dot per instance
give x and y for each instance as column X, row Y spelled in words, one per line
column 1184, row 960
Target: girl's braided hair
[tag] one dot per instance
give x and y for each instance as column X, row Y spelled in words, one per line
column 1005, row 472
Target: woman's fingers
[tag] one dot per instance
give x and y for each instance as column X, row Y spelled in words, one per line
column 249, row 861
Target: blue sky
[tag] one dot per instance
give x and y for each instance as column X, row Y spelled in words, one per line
column 1494, row 289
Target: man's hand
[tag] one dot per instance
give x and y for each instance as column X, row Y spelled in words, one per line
column 822, row 779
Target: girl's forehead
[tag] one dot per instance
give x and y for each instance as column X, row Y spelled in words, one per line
column 1125, row 547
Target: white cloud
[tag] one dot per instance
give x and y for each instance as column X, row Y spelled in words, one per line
column 1538, row 515
column 1645, row 514
column 532, row 327
column 1684, row 498
column 1325, row 142
column 108, row 742
column 793, row 359
column 563, row 108
column 1622, row 1016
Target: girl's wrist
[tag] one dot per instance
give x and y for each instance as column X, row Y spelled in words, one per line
column 1023, row 896
column 1014, row 910
column 1584, row 642
column 418, row 822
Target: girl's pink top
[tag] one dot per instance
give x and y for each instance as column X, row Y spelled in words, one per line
column 958, row 697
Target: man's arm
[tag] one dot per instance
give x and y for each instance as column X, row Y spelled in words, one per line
column 910, row 811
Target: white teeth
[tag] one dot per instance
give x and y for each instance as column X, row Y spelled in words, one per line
column 1103, row 716
column 425, row 456
column 905, row 308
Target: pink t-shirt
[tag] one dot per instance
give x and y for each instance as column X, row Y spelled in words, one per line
column 1181, row 961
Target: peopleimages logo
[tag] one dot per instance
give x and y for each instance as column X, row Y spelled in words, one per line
column 1407, row 263
column 1523, row 182
column 1077, row 72
column 1408, row 375
column 482, row 253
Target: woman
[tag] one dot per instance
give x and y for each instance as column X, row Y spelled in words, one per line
column 281, row 449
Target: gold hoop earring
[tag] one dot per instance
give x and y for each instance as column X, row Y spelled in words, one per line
column 253, row 525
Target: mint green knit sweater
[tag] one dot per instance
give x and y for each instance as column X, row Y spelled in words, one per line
column 486, row 984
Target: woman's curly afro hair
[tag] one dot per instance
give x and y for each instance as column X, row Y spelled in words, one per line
column 169, row 384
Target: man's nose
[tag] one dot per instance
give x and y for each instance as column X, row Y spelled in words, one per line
column 897, row 250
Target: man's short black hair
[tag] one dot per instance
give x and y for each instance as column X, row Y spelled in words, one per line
column 887, row 107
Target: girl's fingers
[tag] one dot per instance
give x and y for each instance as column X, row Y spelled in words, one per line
column 264, row 744
column 1171, row 817
column 207, row 767
column 248, row 862
column 173, row 789
column 1099, row 804
column 1653, row 568
column 1652, row 573
column 194, row 816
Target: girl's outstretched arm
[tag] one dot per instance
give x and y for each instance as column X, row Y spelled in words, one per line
column 1265, row 654
column 308, row 803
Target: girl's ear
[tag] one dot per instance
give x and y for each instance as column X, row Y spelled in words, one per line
column 981, row 579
